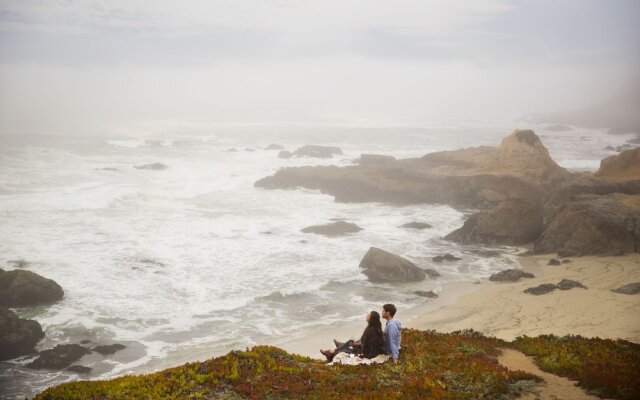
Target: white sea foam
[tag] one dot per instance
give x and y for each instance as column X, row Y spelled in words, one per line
column 190, row 259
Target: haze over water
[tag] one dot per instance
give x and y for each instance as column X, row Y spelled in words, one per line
column 193, row 261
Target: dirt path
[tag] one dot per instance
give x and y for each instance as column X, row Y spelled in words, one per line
column 554, row 387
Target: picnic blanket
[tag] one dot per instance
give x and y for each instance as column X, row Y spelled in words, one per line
column 347, row 359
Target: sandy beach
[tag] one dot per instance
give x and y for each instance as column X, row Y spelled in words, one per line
column 504, row 311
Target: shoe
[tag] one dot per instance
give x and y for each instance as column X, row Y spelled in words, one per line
column 338, row 344
column 328, row 354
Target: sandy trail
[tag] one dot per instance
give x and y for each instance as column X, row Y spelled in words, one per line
column 553, row 388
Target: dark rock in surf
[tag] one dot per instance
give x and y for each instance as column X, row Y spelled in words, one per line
column 338, row 228
column 18, row 336
column 79, row 369
column 430, row 294
column 431, row 272
column 107, row 349
column 285, row 154
column 416, row 225
column 20, row 288
column 445, row 257
column 61, row 356
column 554, row 261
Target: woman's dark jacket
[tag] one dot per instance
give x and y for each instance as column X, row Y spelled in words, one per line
column 372, row 343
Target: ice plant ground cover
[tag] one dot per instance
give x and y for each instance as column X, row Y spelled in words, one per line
column 458, row 365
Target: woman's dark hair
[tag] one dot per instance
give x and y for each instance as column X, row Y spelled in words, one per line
column 374, row 321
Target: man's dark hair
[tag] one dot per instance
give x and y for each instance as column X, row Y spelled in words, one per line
column 390, row 308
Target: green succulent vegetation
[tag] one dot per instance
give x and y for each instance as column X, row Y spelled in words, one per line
column 460, row 365
column 607, row 368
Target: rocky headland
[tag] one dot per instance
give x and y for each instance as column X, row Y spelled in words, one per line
column 522, row 195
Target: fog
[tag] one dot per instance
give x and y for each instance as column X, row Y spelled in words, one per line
column 103, row 67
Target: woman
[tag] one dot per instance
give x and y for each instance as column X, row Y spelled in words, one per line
column 370, row 344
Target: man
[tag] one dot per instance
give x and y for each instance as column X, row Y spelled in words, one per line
column 392, row 330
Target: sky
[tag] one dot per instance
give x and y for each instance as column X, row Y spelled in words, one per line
column 96, row 67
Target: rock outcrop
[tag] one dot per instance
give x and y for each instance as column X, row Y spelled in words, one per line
column 479, row 177
column 513, row 222
column 599, row 225
column 338, row 228
column 20, row 288
column 316, row 151
column 510, row 275
column 61, row 356
column 17, row 336
column 622, row 167
column 381, row 266
column 285, row 154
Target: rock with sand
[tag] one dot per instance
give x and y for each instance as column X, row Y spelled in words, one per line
column 510, row 275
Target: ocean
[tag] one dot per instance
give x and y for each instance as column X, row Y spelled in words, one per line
column 194, row 260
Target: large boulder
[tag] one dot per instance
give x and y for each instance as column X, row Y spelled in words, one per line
column 596, row 225
column 513, row 222
column 338, row 228
column 381, row 266
column 20, row 288
column 316, row 151
column 17, row 336
column 61, row 356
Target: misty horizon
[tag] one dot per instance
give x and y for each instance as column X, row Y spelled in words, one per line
column 114, row 67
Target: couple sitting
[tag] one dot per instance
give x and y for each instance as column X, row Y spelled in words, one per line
column 373, row 341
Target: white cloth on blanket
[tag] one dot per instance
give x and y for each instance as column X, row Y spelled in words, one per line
column 346, row 359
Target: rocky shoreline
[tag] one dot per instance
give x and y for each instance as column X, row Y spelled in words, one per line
column 522, row 195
